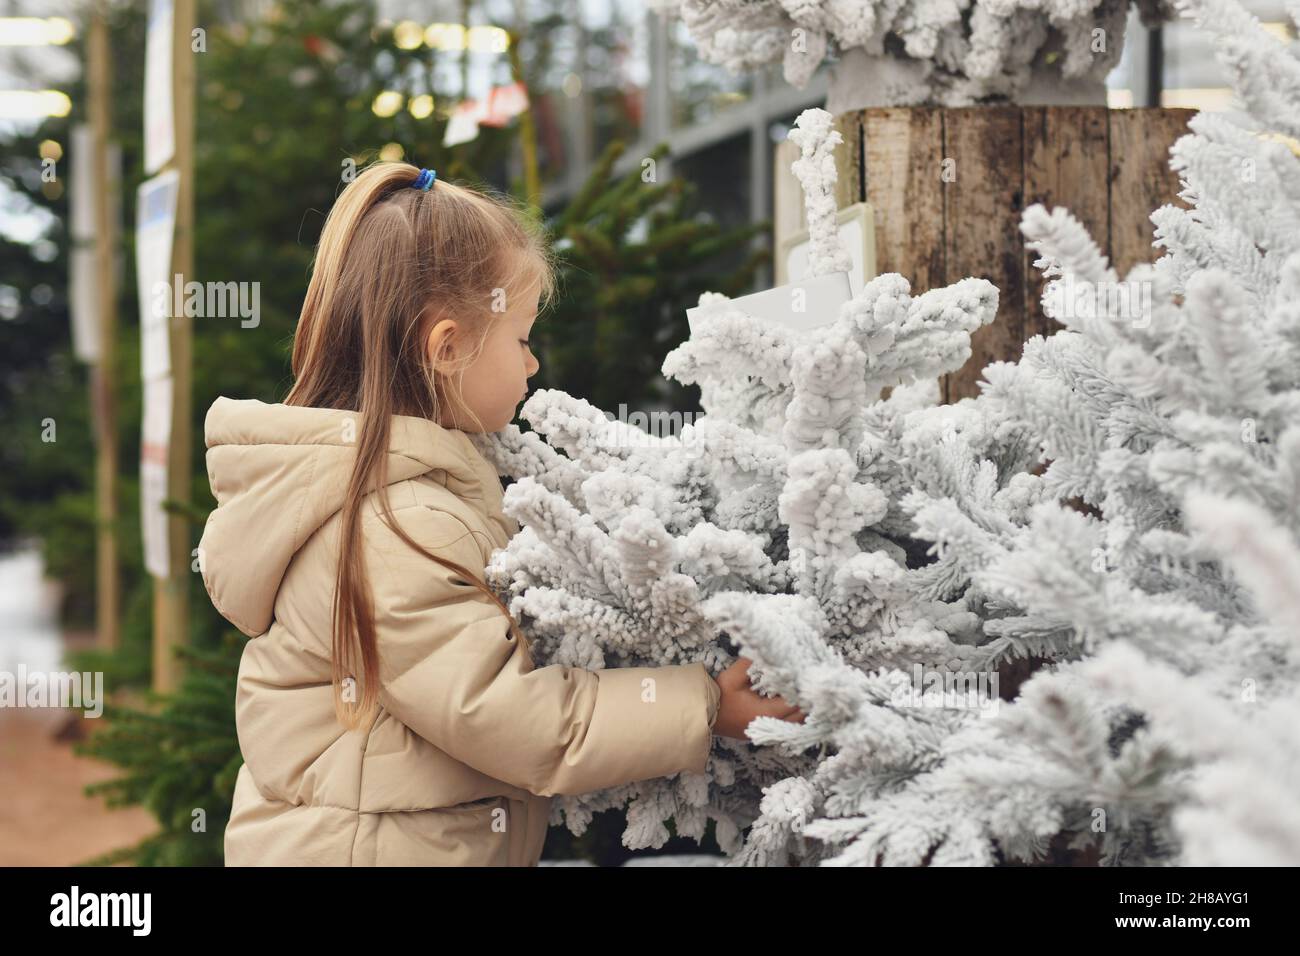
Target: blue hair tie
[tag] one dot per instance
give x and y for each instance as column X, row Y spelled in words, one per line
column 425, row 179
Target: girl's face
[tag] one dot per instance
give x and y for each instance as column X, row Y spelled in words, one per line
column 495, row 384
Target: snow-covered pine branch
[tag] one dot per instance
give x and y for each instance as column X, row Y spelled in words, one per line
column 934, row 52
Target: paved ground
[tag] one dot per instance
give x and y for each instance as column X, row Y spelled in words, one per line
column 45, row 819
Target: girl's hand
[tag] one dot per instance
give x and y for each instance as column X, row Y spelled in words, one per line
column 740, row 703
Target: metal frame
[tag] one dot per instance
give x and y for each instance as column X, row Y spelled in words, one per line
column 768, row 102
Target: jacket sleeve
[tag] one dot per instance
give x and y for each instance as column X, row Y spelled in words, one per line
column 452, row 672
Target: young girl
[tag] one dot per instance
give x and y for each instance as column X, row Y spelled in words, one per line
column 388, row 710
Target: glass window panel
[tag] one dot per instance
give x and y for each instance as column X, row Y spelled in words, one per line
column 699, row 91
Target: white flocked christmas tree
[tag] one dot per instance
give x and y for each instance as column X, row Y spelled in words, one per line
column 915, row 52
column 1121, row 507
column 1155, row 560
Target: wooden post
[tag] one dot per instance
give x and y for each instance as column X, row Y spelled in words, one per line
column 903, row 160
column 1139, row 168
column 982, row 201
column 103, row 372
column 171, row 594
column 1065, row 153
column 948, row 187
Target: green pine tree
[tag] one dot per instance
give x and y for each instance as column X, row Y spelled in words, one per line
column 635, row 255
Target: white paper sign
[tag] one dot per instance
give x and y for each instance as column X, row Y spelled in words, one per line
column 851, row 234
column 155, row 446
column 505, row 103
column 83, row 300
column 81, row 198
column 798, row 305
column 856, row 226
column 159, row 132
column 462, row 126
column 155, row 226
column 84, row 294
column 83, row 303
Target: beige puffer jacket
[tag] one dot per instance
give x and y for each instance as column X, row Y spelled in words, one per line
column 471, row 741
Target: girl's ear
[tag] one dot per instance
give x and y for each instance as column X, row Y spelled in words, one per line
column 440, row 346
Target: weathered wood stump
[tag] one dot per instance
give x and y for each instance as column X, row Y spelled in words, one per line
column 947, row 187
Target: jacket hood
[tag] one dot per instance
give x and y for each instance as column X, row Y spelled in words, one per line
column 279, row 472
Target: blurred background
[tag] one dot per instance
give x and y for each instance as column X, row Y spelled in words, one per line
column 286, row 95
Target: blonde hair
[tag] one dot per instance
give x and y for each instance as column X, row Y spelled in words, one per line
column 391, row 261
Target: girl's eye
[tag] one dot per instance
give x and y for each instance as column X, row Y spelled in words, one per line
column 524, row 342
